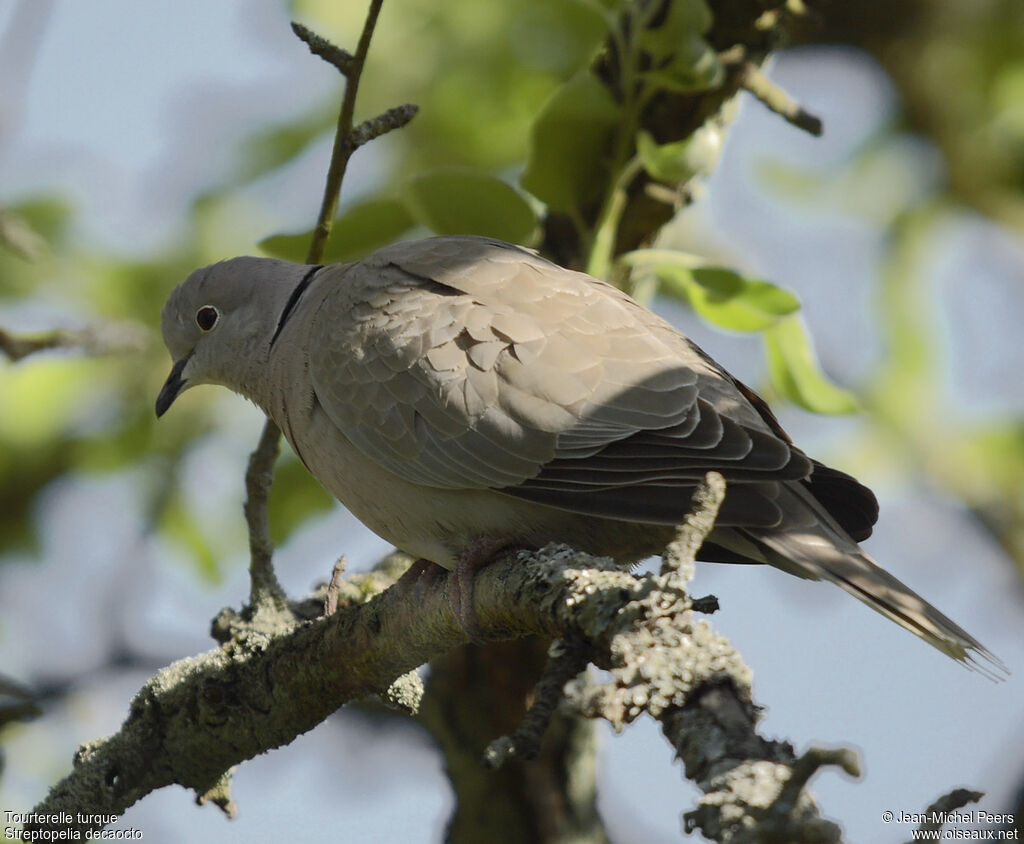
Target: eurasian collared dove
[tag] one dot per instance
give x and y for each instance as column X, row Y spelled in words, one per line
column 460, row 393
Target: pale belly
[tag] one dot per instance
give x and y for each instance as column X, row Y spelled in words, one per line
column 439, row 524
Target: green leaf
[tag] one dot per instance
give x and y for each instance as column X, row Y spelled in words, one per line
column 727, row 299
column 726, row 286
column 361, row 229
column 694, row 66
column 457, row 201
column 681, row 60
column 796, row 374
column 685, row 20
column 287, row 247
column 569, row 141
column 668, row 163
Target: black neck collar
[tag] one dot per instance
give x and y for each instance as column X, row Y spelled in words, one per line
column 293, row 300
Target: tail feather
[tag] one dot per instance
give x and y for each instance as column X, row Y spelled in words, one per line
column 810, row 544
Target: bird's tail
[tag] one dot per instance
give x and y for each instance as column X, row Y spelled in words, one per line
column 811, row 545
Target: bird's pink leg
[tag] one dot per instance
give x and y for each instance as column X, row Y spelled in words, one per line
column 474, row 557
column 421, row 574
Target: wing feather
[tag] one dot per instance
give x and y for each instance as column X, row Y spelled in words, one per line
column 467, row 363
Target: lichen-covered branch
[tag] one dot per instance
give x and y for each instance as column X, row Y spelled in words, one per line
column 273, row 679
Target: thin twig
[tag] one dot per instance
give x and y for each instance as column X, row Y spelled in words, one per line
column 393, row 118
column 706, row 605
column 18, row 236
column 937, row 814
column 751, row 78
column 101, row 339
column 334, row 587
column 17, row 703
column 260, row 477
column 690, row 535
column 606, row 229
column 18, row 347
column 807, row 766
column 343, row 145
column 320, row 46
column 566, row 659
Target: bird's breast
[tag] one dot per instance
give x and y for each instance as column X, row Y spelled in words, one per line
column 434, row 523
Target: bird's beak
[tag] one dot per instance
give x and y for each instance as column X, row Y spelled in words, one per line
column 172, row 386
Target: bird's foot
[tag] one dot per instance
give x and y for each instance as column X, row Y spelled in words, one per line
column 463, row 579
column 421, row 575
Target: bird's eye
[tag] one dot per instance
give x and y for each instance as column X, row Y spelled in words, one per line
column 206, row 317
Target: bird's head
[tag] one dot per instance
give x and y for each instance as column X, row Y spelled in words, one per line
column 219, row 324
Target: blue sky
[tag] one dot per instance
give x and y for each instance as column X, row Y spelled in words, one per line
column 132, row 108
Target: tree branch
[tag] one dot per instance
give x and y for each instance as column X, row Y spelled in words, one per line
column 264, row 588
column 19, row 237
column 566, row 659
column 344, row 142
column 341, row 58
column 393, row 118
column 937, row 815
column 751, row 78
column 199, row 717
column 106, row 338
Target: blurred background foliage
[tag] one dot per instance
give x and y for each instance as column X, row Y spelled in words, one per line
column 511, row 98
column 486, row 76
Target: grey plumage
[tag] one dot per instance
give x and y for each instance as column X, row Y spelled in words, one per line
column 457, row 388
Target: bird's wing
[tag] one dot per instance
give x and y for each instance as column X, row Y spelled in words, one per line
column 468, row 363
